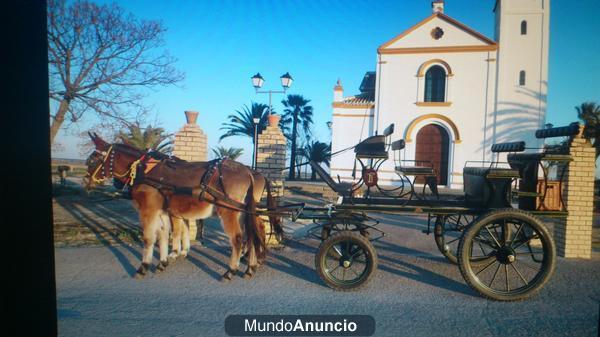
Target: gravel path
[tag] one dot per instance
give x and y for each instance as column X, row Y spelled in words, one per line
column 415, row 292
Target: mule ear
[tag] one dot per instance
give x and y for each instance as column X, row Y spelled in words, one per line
column 100, row 144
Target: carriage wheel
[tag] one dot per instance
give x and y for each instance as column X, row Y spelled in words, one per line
column 346, row 261
column 523, row 250
column 447, row 233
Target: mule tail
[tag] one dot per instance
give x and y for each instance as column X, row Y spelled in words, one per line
column 274, row 220
column 251, row 223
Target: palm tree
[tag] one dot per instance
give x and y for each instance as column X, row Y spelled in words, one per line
column 232, row 152
column 297, row 111
column 589, row 112
column 318, row 152
column 242, row 124
column 151, row 137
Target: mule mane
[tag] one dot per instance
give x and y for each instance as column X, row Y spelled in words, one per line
column 128, row 149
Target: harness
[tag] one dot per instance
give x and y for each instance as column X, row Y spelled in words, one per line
column 211, row 188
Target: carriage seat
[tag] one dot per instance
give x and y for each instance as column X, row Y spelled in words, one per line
column 415, row 169
column 490, row 186
column 374, row 147
column 491, row 172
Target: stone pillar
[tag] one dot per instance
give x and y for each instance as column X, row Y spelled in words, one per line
column 270, row 162
column 574, row 236
column 191, row 145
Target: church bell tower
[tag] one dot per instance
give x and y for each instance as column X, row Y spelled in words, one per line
column 522, row 33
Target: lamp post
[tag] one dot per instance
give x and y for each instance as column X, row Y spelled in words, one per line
column 258, row 81
column 256, row 120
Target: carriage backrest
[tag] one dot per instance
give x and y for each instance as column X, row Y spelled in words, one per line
column 398, row 145
column 562, row 131
column 509, row 147
column 389, row 130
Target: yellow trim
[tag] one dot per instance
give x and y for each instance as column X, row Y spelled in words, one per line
column 352, row 106
column 445, row 18
column 413, row 124
column 425, row 66
column 428, row 50
column 456, row 174
column 433, row 103
column 350, row 115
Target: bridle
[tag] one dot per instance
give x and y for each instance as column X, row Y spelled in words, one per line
column 102, row 168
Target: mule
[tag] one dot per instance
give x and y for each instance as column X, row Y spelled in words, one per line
column 174, row 190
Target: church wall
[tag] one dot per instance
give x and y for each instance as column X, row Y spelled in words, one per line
column 349, row 127
column 469, row 90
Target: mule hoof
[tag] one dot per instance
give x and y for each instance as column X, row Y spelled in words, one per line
column 142, row 271
column 162, row 266
column 228, row 275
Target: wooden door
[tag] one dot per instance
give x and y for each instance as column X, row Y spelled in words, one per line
column 433, row 146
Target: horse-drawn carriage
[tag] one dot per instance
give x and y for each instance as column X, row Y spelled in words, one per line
column 503, row 252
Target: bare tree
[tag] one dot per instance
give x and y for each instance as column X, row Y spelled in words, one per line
column 99, row 58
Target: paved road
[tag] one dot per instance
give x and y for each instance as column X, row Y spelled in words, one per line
column 414, row 293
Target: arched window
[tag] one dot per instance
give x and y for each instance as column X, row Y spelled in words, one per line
column 523, row 27
column 522, row 77
column 435, row 84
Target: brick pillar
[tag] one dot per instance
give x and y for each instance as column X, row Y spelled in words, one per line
column 270, row 162
column 574, row 237
column 191, row 145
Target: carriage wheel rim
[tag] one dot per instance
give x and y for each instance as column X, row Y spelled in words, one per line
column 350, row 254
column 509, row 263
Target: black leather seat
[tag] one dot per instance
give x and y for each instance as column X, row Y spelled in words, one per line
column 372, row 147
column 415, row 170
column 491, row 172
column 375, row 147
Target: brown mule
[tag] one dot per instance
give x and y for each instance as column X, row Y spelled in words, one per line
column 174, row 190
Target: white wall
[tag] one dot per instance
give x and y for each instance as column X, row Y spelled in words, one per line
column 522, row 106
column 469, row 90
column 349, row 127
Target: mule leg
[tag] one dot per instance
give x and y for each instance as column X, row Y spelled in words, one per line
column 230, row 220
column 163, row 242
column 178, row 225
column 151, row 228
column 252, row 260
column 185, row 239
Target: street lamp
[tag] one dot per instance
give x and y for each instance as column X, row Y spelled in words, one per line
column 258, row 81
column 256, row 120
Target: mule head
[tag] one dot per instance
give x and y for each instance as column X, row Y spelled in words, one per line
column 96, row 170
column 99, row 143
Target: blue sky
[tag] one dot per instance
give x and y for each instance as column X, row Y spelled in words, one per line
column 221, row 44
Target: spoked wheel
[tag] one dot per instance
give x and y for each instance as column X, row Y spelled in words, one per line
column 447, row 233
column 523, row 250
column 346, row 260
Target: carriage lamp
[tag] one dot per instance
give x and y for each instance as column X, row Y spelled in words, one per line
column 258, row 81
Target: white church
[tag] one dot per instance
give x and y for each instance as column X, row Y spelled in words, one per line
column 450, row 91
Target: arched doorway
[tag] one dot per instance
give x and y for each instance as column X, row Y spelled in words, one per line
column 433, row 146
